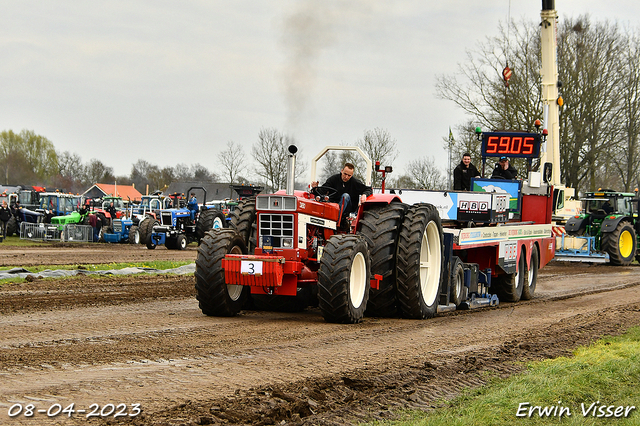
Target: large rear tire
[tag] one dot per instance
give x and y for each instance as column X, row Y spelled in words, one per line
column 12, row 226
column 209, row 219
column 243, row 221
column 343, row 279
column 420, row 262
column 380, row 226
column 146, row 228
column 134, row 235
column 509, row 287
column 215, row 297
column 531, row 278
column 621, row 244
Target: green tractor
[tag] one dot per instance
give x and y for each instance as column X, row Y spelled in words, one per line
column 612, row 219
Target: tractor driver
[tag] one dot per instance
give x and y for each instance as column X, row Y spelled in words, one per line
column 192, row 205
column 347, row 189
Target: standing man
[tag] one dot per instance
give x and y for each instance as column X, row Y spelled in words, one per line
column 348, row 189
column 112, row 212
column 504, row 170
column 5, row 215
column 463, row 173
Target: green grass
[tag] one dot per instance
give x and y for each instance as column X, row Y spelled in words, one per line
column 156, row 264
column 14, row 241
column 607, row 371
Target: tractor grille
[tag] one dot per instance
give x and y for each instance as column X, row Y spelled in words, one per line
column 165, row 218
column 277, row 226
column 117, row 225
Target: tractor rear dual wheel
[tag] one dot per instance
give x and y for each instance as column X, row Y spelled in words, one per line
column 420, row 262
column 243, row 220
column 621, row 244
column 209, row 219
column 380, row 226
column 215, row 296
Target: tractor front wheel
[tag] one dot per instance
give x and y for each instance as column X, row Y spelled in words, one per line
column 620, row 244
column 214, row 295
column 343, row 279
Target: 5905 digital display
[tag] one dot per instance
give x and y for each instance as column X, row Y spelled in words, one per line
column 525, row 145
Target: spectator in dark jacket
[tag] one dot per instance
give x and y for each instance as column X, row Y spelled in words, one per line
column 112, row 212
column 463, row 173
column 5, row 216
column 504, row 170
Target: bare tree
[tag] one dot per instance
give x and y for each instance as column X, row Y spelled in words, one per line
column 97, row 172
column 379, row 146
column 627, row 160
column 423, row 173
column 590, row 60
column 233, row 162
column 271, row 153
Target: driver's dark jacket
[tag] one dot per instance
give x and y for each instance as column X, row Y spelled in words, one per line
column 511, row 173
column 353, row 187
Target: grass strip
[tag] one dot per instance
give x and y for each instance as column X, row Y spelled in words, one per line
column 598, row 385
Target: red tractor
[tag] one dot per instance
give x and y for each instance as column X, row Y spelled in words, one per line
column 286, row 251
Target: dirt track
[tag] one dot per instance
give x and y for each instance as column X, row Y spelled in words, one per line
column 143, row 340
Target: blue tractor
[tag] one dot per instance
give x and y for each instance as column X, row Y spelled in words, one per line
column 185, row 222
column 124, row 231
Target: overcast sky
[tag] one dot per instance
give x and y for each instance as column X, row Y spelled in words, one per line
column 173, row 81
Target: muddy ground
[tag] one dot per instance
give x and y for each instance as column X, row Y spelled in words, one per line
column 143, row 340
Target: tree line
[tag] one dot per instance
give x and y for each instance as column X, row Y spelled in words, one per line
column 599, row 80
column 31, row 159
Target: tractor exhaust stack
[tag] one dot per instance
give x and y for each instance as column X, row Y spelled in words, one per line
column 291, row 169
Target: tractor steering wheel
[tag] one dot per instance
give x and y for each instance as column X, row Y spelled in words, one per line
column 323, row 191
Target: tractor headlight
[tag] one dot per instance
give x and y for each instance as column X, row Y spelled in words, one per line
column 287, row 242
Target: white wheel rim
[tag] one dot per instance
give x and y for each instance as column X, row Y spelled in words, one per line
column 234, row 291
column 530, row 274
column 183, row 243
column 136, row 238
column 357, row 280
column 430, row 266
column 217, row 223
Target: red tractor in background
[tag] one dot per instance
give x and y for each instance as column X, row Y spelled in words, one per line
column 286, row 251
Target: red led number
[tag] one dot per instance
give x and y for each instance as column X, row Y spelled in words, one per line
column 528, row 146
column 492, row 145
column 510, row 145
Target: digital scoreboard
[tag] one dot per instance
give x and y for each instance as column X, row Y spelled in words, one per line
column 511, row 144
